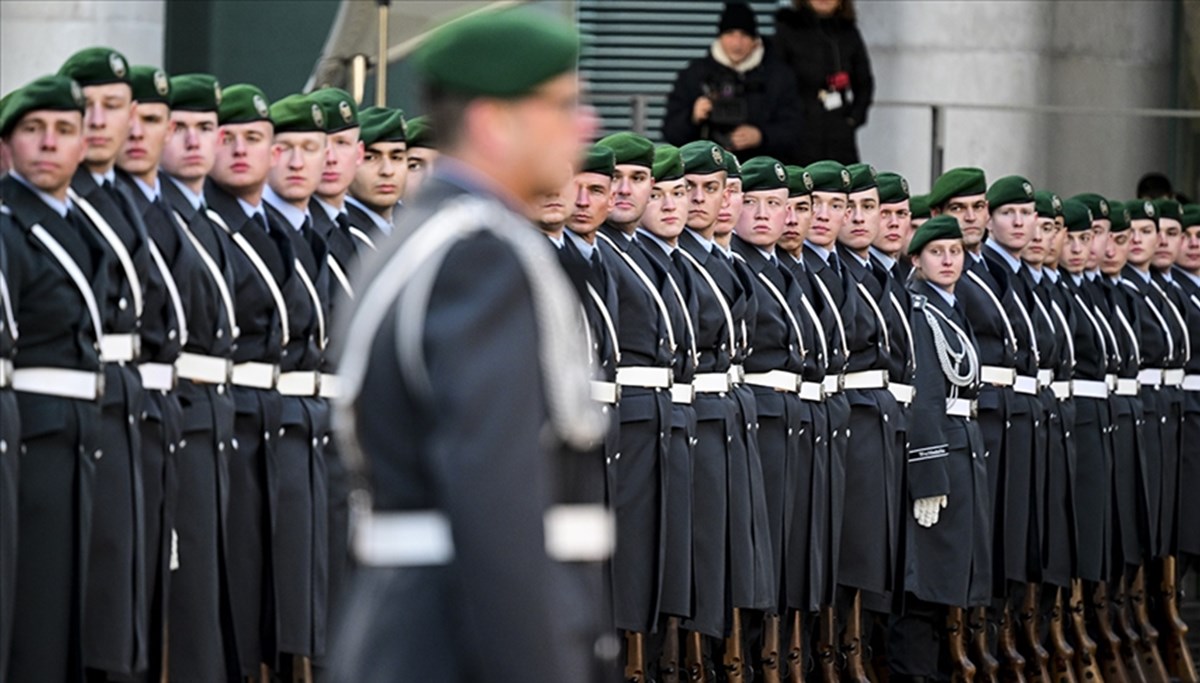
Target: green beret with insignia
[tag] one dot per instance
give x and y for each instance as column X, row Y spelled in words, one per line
column 862, row 177
column 243, row 103
column 1076, row 216
column 668, row 164
column 893, row 188
column 53, row 93
column 1168, row 208
column 702, row 157
column 341, row 113
column 1190, row 216
column 195, row 92
column 800, row 183
column 918, row 204
column 382, row 124
column 150, row 84
column 1098, row 204
column 1119, row 216
column 1048, row 204
column 629, row 148
column 1011, row 189
column 504, row 54
column 764, row 173
column 943, row 227
column 96, row 66
column 957, row 182
column 829, row 176
column 421, row 133
column 298, row 114
column 598, row 159
column 1142, row 209
column 733, row 167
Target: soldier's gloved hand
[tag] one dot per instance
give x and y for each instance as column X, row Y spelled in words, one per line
column 927, row 510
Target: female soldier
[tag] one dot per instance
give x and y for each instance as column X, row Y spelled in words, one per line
column 947, row 565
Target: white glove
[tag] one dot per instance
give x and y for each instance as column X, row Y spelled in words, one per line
column 927, row 510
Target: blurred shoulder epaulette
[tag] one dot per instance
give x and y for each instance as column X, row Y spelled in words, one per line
column 918, row 301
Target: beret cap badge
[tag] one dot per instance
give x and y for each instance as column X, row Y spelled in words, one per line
column 260, row 106
column 117, row 64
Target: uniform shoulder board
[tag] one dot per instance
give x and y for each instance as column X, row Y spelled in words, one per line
column 918, row 302
column 5, row 210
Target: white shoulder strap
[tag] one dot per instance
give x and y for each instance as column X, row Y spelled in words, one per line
column 115, row 243
column 81, row 283
column 172, row 290
column 263, row 272
column 214, row 271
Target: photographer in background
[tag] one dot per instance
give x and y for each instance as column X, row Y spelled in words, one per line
column 820, row 42
column 736, row 96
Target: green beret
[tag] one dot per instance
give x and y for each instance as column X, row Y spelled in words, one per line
column 918, row 204
column 1076, row 216
column 1118, row 216
column 598, row 159
column 943, row 227
column 243, row 103
column 54, row 93
column 298, row 114
column 799, row 181
column 702, row 157
column 733, row 167
column 195, row 92
column 1169, row 208
column 763, row 173
column 1098, row 205
column 1190, row 216
column 1142, row 209
column 150, row 84
column 829, row 176
column 630, row 148
column 382, row 124
column 862, row 177
column 957, row 182
column 1048, row 204
column 338, row 107
column 893, row 188
column 96, row 66
column 506, row 53
column 421, row 133
column 1011, row 189
column 668, row 164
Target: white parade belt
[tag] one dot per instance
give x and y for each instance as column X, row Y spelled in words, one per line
column 1026, row 384
column 1126, row 387
column 604, row 392
column 157, row 376
column 961, row 407
column 119, row 348
column 865, row 379
column 1150, row 377
column 61, row 382
column 299, row 383
column 904, row 393
column 994, row 374
column 6, row 372
column 645, row 377
column 255, row 375
column 200, row 368
column 1088, row 388
column 329, row 385
column 712, row 382
column 1191, row 383
column 682, row 393
column 1174, row 377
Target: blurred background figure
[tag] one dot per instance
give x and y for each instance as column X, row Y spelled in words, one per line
column 736, row 95
column 820, row 42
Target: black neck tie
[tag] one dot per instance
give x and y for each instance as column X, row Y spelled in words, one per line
column 835, row 264
column 261, row 219
column 343, row 222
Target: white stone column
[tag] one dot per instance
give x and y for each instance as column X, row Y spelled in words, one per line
column 37, row 36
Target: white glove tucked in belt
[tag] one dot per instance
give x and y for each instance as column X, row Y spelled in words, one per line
column 927, row 510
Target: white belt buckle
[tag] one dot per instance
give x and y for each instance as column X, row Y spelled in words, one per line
column 256, row 375
column 1173, row 377
column 961, row 407
column 200, row 368
column 737, row 374
column 61, row 382
column 1191, row 383
column 682, row 393
column 712, row 383
column 119, row 348
column 1045, row 377
column 157, row 376
column 645, row 377
column 298, row 383
column 833, row 384
column 605, row 392
column 330, row 387
column 903, row 393
column 1088, row 388
column 1025, row 384
column 579, row 533
column 994, row 374
column 1062, row 390
column 865, row 379
column 812, row 391
column 1111, row 380
column 1127, row 386
column 1150, row 377
column 6, row 371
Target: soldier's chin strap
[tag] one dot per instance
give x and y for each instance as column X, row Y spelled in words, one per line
column 927, row 511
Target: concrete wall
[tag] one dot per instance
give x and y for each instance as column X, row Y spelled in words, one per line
column 1070, row 52
column 38, row 35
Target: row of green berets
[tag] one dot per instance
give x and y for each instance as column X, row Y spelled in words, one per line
column 174, row 254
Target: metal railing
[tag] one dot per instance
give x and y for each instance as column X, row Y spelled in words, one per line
column 639, row 104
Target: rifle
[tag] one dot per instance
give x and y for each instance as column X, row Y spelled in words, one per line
column 1129, row 636
column 1147, row 645
column 668, row 659
column 1179, row 656
column 1062, row 656
column 770, row 650
column 825, row 646
column 1087, row 669
column 1031, row 630
column 956, row 632
column 795, row 655
column 734, row 661
column 852, row 643
column 988, row 670
column 696, row 670
column 635, row 657
column 1110, row 643
column 1012, row 663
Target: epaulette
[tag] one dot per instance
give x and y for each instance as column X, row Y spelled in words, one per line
column 1130, row 285
column 5, row 210
column 918, row 302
